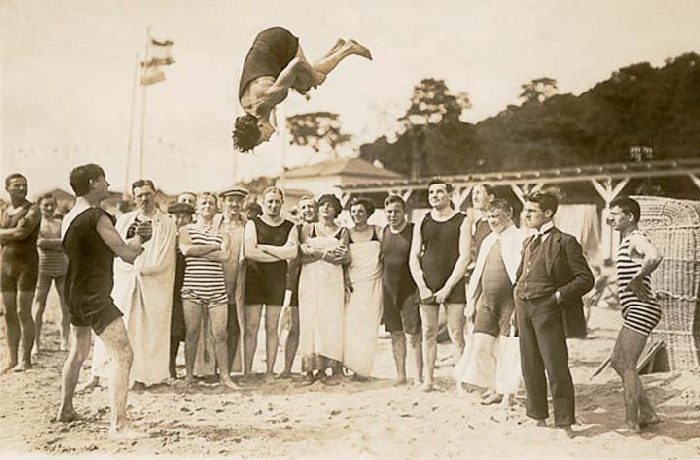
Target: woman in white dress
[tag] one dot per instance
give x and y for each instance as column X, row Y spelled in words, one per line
column 321, row 293
column 363, row 311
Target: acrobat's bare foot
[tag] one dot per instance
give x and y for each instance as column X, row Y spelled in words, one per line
column 89, row 386
column 67, row 415
column 126, row 433
column 338, row 44
column 360, row 49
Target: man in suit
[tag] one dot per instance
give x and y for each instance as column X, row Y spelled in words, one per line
column 552, row 277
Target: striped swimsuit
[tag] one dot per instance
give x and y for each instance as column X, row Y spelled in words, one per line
column 638, row 315
column 204, row 279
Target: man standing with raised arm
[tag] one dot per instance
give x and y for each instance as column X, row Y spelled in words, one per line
column 91, row 243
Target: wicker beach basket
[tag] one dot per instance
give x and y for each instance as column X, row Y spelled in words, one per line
column 674, row 228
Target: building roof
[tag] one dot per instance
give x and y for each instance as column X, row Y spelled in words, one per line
column 352, row 167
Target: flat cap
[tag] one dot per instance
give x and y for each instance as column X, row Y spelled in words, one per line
column 236, row 191
column 180, row 208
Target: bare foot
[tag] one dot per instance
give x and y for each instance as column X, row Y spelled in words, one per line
column 649, row 421
column 126, row 433
column 22, row 366
column 401, row 381
column 65, row 346
column 629, row 429
column 338, row 44
column 427, row 387
column 7, row 368
column 230, row 384
column 541, row 423
column 286, row 374
column 67, row 415
column 189, row 380
column 494, row 398
column 360, row 50
column 88, row 386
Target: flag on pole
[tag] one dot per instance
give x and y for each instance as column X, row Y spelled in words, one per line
column 158, row 53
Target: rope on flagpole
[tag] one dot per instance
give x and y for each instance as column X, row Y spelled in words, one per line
column 131, row 128
column 143, row 103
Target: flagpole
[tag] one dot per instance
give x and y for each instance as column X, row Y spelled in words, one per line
column 131, row 128
column 143, row 105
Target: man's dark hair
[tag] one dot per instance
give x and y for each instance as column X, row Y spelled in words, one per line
column 252, row 209
column 246, row 134
column 439, row 181
column 391, row 199
column 45, row 196
column 628, row 206
column 9, row 178
column 499, row 204
column 142, row 183
column 81, row 176
column 546, row 198
column 366, row 203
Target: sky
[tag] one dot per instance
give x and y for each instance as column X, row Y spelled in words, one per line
column 68, row 71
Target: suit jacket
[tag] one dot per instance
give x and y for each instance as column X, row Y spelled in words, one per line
column 568, row 268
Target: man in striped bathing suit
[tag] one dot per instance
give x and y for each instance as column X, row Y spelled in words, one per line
column 637, row 258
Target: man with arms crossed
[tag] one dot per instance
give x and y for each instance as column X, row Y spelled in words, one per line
column 270, row 241
column 552, row 277
column 438, row 260
column 91, row 243
column 19, row 231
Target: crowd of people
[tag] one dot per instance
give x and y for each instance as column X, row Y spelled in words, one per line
column 212, row 269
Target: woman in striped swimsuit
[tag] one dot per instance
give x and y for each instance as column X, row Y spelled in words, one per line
column 203, row 286
column 637, row 258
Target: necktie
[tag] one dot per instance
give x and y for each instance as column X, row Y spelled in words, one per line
column 536, row 241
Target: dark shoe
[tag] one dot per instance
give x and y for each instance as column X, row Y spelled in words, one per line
column 308, row 379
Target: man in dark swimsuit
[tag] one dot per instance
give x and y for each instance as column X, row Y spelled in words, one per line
column 275, row 64
column 438, row 261
column 269, row 243
column 91, row 243
column 19, row 230
column 401, row 311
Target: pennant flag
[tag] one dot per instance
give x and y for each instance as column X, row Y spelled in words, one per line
column 158, row 53
column 152, row 75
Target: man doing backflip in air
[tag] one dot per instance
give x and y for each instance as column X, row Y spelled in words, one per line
column 275, row 64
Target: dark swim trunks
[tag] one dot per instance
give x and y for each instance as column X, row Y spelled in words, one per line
column 269, row 54
column 89, row 280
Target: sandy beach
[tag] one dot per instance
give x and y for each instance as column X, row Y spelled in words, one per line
column 282, row 419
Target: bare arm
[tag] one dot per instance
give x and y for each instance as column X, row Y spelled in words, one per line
column 128, row 252
column 187, row 248
column 252, row 251
column 651, row 258
column 24, row 228
column 280, row 88
column 223, row 253
column 465, row 240
column 414, row 262
column 288, row 251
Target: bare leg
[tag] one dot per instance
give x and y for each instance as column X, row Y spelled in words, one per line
column 272, row 340
column 250, row 336
column 292, row 345
column 65, row 316
column 233, row 334
column 26, row 322
column 193, row 325
column 12, row 329
column 455, row 328
column 330, row 61
column 117, row 344
column 429, row 321
column 398, row 346
column 42, row 292
column 628, row 347
column 414, row 346
column 218, row 320
column 80, row 347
